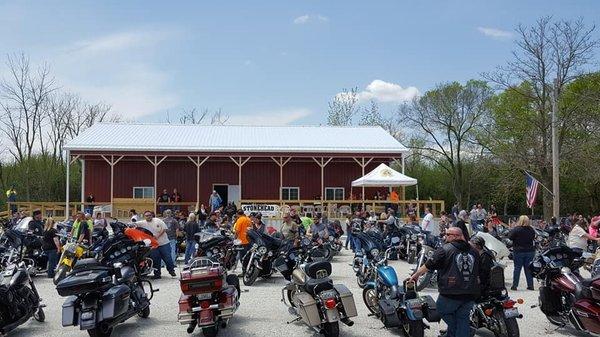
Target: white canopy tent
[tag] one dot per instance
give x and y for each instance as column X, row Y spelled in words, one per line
column 385, row 176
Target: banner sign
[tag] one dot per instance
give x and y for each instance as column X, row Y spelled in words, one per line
column 264, row 209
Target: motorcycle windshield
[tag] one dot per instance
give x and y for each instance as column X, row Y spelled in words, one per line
column 23, row 225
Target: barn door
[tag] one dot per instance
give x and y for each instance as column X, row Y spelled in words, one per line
column 233, row 193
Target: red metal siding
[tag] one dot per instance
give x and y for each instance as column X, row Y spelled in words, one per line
column 260, row 180
column 97, row 180
column 130, row 174
column 177, row 174
column 303, row 174
column 216, row 172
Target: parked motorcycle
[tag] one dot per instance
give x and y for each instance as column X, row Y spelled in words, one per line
column 371, row 246
column 105, row 292
column 19, row 298
column 210, row 296
column 294, row 253
column 71, row 253
column 219, row 246
column 411, row 242
column 313, row 299
column 429, row 245
column 395, row 306
column 566, row 297
column 258, row 261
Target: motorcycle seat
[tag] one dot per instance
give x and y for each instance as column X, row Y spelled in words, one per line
column 316, row 270
column 315, row 286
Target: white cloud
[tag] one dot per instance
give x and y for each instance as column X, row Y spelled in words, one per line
column 387, row 92
column 495, row 33
column 280, row 117
column 306, row 18
column 120, row 41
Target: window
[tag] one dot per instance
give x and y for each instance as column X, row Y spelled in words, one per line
column 290, row 193
column 143, row 192
column 334, row 193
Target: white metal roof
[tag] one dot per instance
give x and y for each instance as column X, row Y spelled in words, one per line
column 231, row 138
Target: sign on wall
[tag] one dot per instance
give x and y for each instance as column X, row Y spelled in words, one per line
column 264, row 209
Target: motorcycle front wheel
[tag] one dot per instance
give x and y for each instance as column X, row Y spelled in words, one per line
column 39, row 315
column 412, row 257
column 144, row 313
column 361, row 280
column 414, row 329
column 331, row 329
column 100, row 332
column 250, row 275
column 210, row 331
column 509, row 326
column 371, row 300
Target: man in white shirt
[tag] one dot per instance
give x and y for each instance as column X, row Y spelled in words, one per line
column 578, row 237
column 428, row 225
column 163, row 251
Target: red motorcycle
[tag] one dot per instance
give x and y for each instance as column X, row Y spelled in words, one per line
column 565, row 296
column 210, row 296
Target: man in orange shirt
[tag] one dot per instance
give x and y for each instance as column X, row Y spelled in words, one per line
column 240, row 228
column 394, row 198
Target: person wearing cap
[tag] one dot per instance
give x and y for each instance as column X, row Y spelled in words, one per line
column 36, row 226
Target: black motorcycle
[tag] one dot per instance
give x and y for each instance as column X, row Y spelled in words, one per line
column 258, row 261
column 19, row 298
column 218, row 246
column 429, row 245
column 104, row 292
column 412, row 238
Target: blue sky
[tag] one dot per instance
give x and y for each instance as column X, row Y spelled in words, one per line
column 265, row 62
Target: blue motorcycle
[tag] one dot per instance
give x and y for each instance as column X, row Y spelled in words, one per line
column 398, row 306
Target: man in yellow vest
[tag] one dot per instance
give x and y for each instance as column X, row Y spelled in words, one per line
column 11, row 196
column 82, row 229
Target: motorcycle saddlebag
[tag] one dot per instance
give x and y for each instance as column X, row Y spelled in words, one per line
column 389, row 316
column 69, row 316
column 429, row 309
column 307, row 308
column 588, row 313
column 549, row 301
column 347, row 300
column 80, row 282
column 115, row 301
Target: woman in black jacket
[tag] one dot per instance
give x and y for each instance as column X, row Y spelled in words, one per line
column 522, row 236
column 191, row 228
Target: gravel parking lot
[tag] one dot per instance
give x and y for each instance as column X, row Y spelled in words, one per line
column 263, row 314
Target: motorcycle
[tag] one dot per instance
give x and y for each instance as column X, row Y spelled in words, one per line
column 209, row 296
column 564, row 296
column 398, row 307
column 219, row 246
column 258, row 261
column 371, row 246
column 19, row 298
column 313, row 299
column 429, row 245
column 495, row 310
column 104, row 292
column 71, row 252
column 294, row 254
column 412, row 238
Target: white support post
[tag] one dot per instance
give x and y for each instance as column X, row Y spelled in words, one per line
column 322, row 163
column 362, row 165
column 82, row 161
column 67, row 209
column 281, row 163
column 112, row 162
column 155, row 162
column 240, row 162
column 198, row 163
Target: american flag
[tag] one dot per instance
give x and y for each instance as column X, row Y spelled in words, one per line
column 531, row 190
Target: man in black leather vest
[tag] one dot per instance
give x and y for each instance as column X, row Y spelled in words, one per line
column 457, row 264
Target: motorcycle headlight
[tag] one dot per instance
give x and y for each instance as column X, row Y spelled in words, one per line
column 270, row 253
column 375, row 252
column 262, row 250
column 413, row 237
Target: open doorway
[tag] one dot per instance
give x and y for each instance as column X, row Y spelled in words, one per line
column 222, row 189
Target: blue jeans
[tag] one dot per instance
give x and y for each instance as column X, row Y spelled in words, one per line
column 52, row 261
column 173, row 244
column 163, row 253
column 349, row 240
column 522, row 260
column 456, row 315
column 190, row 249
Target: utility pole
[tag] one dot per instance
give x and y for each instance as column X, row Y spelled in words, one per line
column 555, row 157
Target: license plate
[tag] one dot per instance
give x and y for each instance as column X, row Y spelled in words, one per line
column 510, row 313
column 328, row 294
column 204, row 296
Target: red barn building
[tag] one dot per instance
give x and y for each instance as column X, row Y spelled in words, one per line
column 240, row 162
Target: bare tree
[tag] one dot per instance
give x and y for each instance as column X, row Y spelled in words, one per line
column 548, row 56
column 445, row 121
column 194, row 116
column 23, row 97
column 372, row 116
column 343, row 107
column 60, row 109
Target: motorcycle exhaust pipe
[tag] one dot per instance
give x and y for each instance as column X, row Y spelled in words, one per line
column 347, row 321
